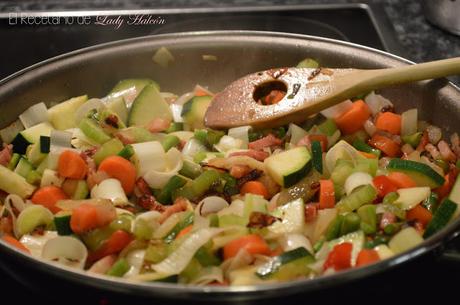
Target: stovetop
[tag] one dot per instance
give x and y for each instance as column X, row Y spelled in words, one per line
column 26, row 42
column 33, row 37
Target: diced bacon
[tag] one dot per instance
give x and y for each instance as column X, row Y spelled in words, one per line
column 311, row 211
column 158, row 125
column 5, row 154
column 423, row 142
column 446, row 153
column 455, row 141
column 260, row 220
column 141, row 188
column 259, row 155
column 95, row 177
column 103, row 265
column 180, row 204
column 305, row 141
column 267, row 141
column 433, row 151
column 148, row 202
column 6, row 225
column 239, row 171
column 387, row 218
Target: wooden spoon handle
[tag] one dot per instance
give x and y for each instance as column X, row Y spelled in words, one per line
column 379, row 78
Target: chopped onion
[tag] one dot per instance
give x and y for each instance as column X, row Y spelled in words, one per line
column 163, row 57
column 51, row 177
column 296, row 133
column 34, row 115
column 184, row 98
column 183, row 135
column 227, row 143
column 208, row 275
column 241, row 133
column 9, row 133
column 151, row 218
column 236, row 208
column 409, row 120
column 376, row 102
column 157, row 179
column 355, row 180
column 150, row 156
column 176, row 111
column 86, row 107
column 293, row 218
column 293, row 241
column 242, row 259
column 211, row 204
column 34, row 243
column 60, row 138
column 103, row 265
column 192, row 147
column 167, row 225
column 434, row 134
column 168, row 97
column 65, row 250
column 110, row 189
column 135, row 259
column 341, row 150
column 228, row 162
column 16, row 202
column 370, row 128
column 176, row 262
column 335, row 111
column 31, row 217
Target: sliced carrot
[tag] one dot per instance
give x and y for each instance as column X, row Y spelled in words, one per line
column 48, row 196
column 321, row 138
column 71, row 165
column 184, row 231
column 87, row 217
column 366, row 257
column 401, row 180
column 390, row 122
column 367, row 155
column 15, row 243
column 253, row 244
column 387, row 145
column 255, row 187
column 326, row 194
column 445, row 189
column 420, row 214
column 354, row 118
column 116, row 242
column 121, row 169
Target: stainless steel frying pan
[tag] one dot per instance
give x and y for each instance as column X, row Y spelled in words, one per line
column 95, row 70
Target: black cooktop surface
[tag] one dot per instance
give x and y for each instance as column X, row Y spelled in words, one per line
column 26, row 42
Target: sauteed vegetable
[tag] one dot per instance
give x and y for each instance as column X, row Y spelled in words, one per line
column 134, row 185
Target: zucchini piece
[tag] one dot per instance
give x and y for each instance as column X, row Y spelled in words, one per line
column 45, row 143
column 93, row 131
column 404, row 240
column 194, row 110
column 165, row 195
column 33, row 177
column 62, row 115
column 317, row 153
column 293, row 218
column 147, row 106
column 410, row 197
column 328, row 127
column 117, row 105
column 432, row 203
column 127, row 152
column 29, row 136
column 441, row 217
column 110, row 119
column 276, row 265
column 62, row 222
column 34, row 154
column 422, row 174
column 362, row 146
column 14, row 161
column 24, row 167
column 81, row 190
column 109, row 148
column 289, row 167
column 131, row 87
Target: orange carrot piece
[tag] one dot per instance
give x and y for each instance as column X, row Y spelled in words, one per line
column 71, row 165
column 420, row 214
column 390, row 122
column 354, row 118
column 121, row 169
column 184, row 231
column 48, row 196
column 366, row 257
column 253, row 244
column 15, row 243
column 387, row 145
column 87, row 217
column 326, row 194
column 255, row 187
column 401, row 180
column 444, row 190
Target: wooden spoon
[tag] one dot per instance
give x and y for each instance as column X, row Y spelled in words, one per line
column 308, row 91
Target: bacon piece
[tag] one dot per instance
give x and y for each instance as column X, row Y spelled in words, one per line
column 141, row 188
column 311, row 211
column 455, row 141
column 434, row 152
column 387, row 218
column 446, row 153
column 239, row 171
column 158, row 125
column 260, row 220
column 5, row 154
column 148, row 202
column 267, row 141
column 95, row 177
column 259, row 155
column 180, row 204
column 305, row 141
